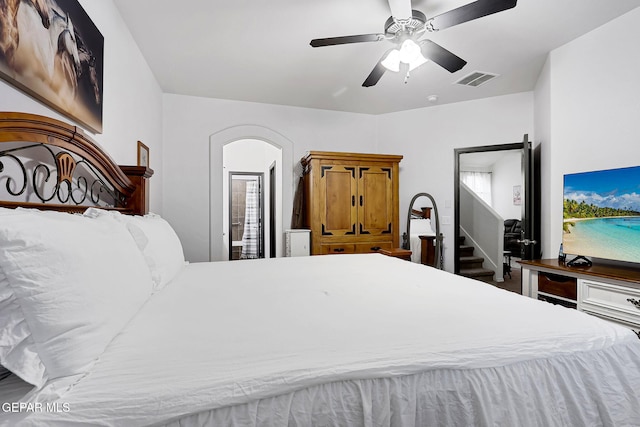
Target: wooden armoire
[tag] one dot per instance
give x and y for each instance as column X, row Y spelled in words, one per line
column 351, row 202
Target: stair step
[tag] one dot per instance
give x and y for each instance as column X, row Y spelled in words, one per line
column 470, row 265
column 466, row 250
column 476, row 272
column 470, row 260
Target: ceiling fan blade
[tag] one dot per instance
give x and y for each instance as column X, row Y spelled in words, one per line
column 400, row 9
column 375, row 74
column 441, row 56
column 469, row 12
column 330, row 41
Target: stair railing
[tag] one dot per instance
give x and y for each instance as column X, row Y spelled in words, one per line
column 487, row 238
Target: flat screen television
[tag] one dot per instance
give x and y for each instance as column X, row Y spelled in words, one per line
column 601, row 214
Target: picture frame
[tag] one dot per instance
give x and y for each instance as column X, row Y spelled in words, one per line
column 143, row 155
column 517, row 195
column 54, row 53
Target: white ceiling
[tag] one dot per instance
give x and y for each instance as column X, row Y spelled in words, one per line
column 259, row 50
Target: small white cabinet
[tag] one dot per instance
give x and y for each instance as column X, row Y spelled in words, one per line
column 297, row 242
column 609, row 292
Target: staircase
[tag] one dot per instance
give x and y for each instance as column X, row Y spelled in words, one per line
column 471, row 265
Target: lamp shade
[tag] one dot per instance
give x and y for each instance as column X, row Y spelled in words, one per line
column 392, row 61
column 409, row 53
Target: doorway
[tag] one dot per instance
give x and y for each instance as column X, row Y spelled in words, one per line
column 246, row 214
column 525, row 194
column 244, row 160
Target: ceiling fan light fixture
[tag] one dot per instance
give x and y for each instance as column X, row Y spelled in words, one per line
column 406, row 27
column 409, row 53
column 392, row 61
column 417, row 62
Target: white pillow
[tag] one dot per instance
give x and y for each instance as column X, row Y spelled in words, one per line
column 156, row 239
column 68, row 286
column 421, row 227
column 160, row 245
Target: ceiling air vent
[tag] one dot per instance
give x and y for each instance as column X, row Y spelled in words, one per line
column 476, row 78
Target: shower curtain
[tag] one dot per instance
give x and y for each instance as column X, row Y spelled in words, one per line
column 250, row 243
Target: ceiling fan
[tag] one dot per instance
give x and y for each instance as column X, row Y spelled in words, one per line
column 405, row 28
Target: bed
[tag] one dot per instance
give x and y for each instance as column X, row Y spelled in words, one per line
column 117, row 329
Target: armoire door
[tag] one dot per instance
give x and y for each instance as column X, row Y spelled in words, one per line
column 375, row 200
column 338, row 200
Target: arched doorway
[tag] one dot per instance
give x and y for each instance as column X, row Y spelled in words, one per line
column 282, row 165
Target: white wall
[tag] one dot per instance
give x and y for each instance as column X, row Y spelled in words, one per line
column 189, row 122
column 428, row 136
column 594, row 109
column 132, row 108
column 542, row 130
column 507, row 173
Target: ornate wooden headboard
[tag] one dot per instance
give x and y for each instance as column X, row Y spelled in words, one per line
column 49, row 164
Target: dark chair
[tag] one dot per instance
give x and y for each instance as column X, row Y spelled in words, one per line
column 512, row 233
column 509, row 224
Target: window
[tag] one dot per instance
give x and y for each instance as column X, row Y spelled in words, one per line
column 479, row 183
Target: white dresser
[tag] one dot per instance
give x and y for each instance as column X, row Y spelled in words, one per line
column 606, row 291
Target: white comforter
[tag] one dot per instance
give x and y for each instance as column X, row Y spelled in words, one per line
column 280, row 335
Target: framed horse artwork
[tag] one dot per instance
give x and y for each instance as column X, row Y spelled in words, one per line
column 51, row 50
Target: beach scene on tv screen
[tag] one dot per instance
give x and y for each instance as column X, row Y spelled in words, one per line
column 601, row 214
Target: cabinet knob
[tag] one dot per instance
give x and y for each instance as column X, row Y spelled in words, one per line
column 376, row 248
column 338, row 250
column 634, row 302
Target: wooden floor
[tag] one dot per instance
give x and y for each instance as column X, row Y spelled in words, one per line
column 512, row 284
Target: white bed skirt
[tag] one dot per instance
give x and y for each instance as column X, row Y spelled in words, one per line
column 582, row 389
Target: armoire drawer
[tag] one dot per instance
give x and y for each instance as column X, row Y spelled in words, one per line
column 610, row 300
column 338, row 248
column 365, row 248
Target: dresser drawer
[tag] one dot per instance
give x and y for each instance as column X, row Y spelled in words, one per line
column 610, row 300
column 364, row 248
column 554, row 284
column 338, row 248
